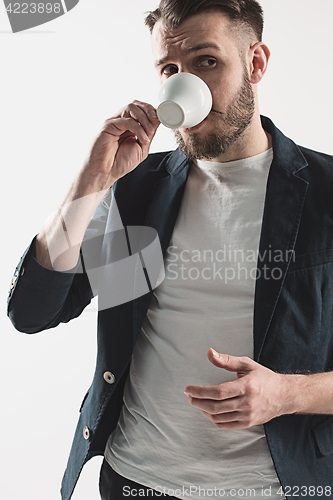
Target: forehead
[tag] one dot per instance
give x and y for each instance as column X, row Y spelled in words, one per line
column 210, row 28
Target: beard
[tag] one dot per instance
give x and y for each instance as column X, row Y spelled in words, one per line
column 228, row 127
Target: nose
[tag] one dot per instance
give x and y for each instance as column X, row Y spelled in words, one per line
column 184, row 70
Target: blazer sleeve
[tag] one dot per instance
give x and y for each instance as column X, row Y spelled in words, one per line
column 41, row 298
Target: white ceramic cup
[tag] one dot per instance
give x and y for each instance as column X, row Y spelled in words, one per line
column 185, row 100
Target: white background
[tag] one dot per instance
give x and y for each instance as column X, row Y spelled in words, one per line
column 59, row 82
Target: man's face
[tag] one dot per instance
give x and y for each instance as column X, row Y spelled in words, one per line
column 204, row 46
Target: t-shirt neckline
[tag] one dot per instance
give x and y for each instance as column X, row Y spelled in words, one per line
column 244, row 162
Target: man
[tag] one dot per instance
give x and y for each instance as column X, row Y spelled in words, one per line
column 256, row 416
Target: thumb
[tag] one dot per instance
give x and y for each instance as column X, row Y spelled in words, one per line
column 230, row 363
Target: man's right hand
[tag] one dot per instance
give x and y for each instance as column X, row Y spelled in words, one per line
column 123, row 142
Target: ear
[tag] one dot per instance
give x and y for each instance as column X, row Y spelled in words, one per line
column 258, row 58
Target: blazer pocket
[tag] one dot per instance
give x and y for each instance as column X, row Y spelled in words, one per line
column 308, row 260
column 323, row 433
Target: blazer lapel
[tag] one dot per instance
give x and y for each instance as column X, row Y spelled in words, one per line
column 161, row 215
column 165, row 203
column 284, row 202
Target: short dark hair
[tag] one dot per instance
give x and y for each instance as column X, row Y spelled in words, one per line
column 243, row 12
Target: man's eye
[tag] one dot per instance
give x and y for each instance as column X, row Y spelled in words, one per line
column 207, row 62
column 170, row 70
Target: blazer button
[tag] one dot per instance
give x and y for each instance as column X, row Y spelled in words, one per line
column 86, row 433
column 109, row 377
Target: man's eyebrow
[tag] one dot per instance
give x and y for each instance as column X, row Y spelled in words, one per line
column 189, row 50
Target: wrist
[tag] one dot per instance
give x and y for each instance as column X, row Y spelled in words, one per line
column 89, row 183
column 293, row 394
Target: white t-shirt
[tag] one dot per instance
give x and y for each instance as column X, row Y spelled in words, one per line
column 206, row 300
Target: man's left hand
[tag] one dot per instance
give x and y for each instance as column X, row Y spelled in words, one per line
column 257, row 396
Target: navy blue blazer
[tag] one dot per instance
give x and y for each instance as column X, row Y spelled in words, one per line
column 293, row 331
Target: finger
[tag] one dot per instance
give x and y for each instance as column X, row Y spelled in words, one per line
column 214, row 407
column 149, row 110
column 229, row 421
column 237, row 424
column 219, row 392
column 140, row 116
column 117, row 126
column 233, row 425
column 223, row 418
column 230, row 363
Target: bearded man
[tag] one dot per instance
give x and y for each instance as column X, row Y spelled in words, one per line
column 255, row 418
